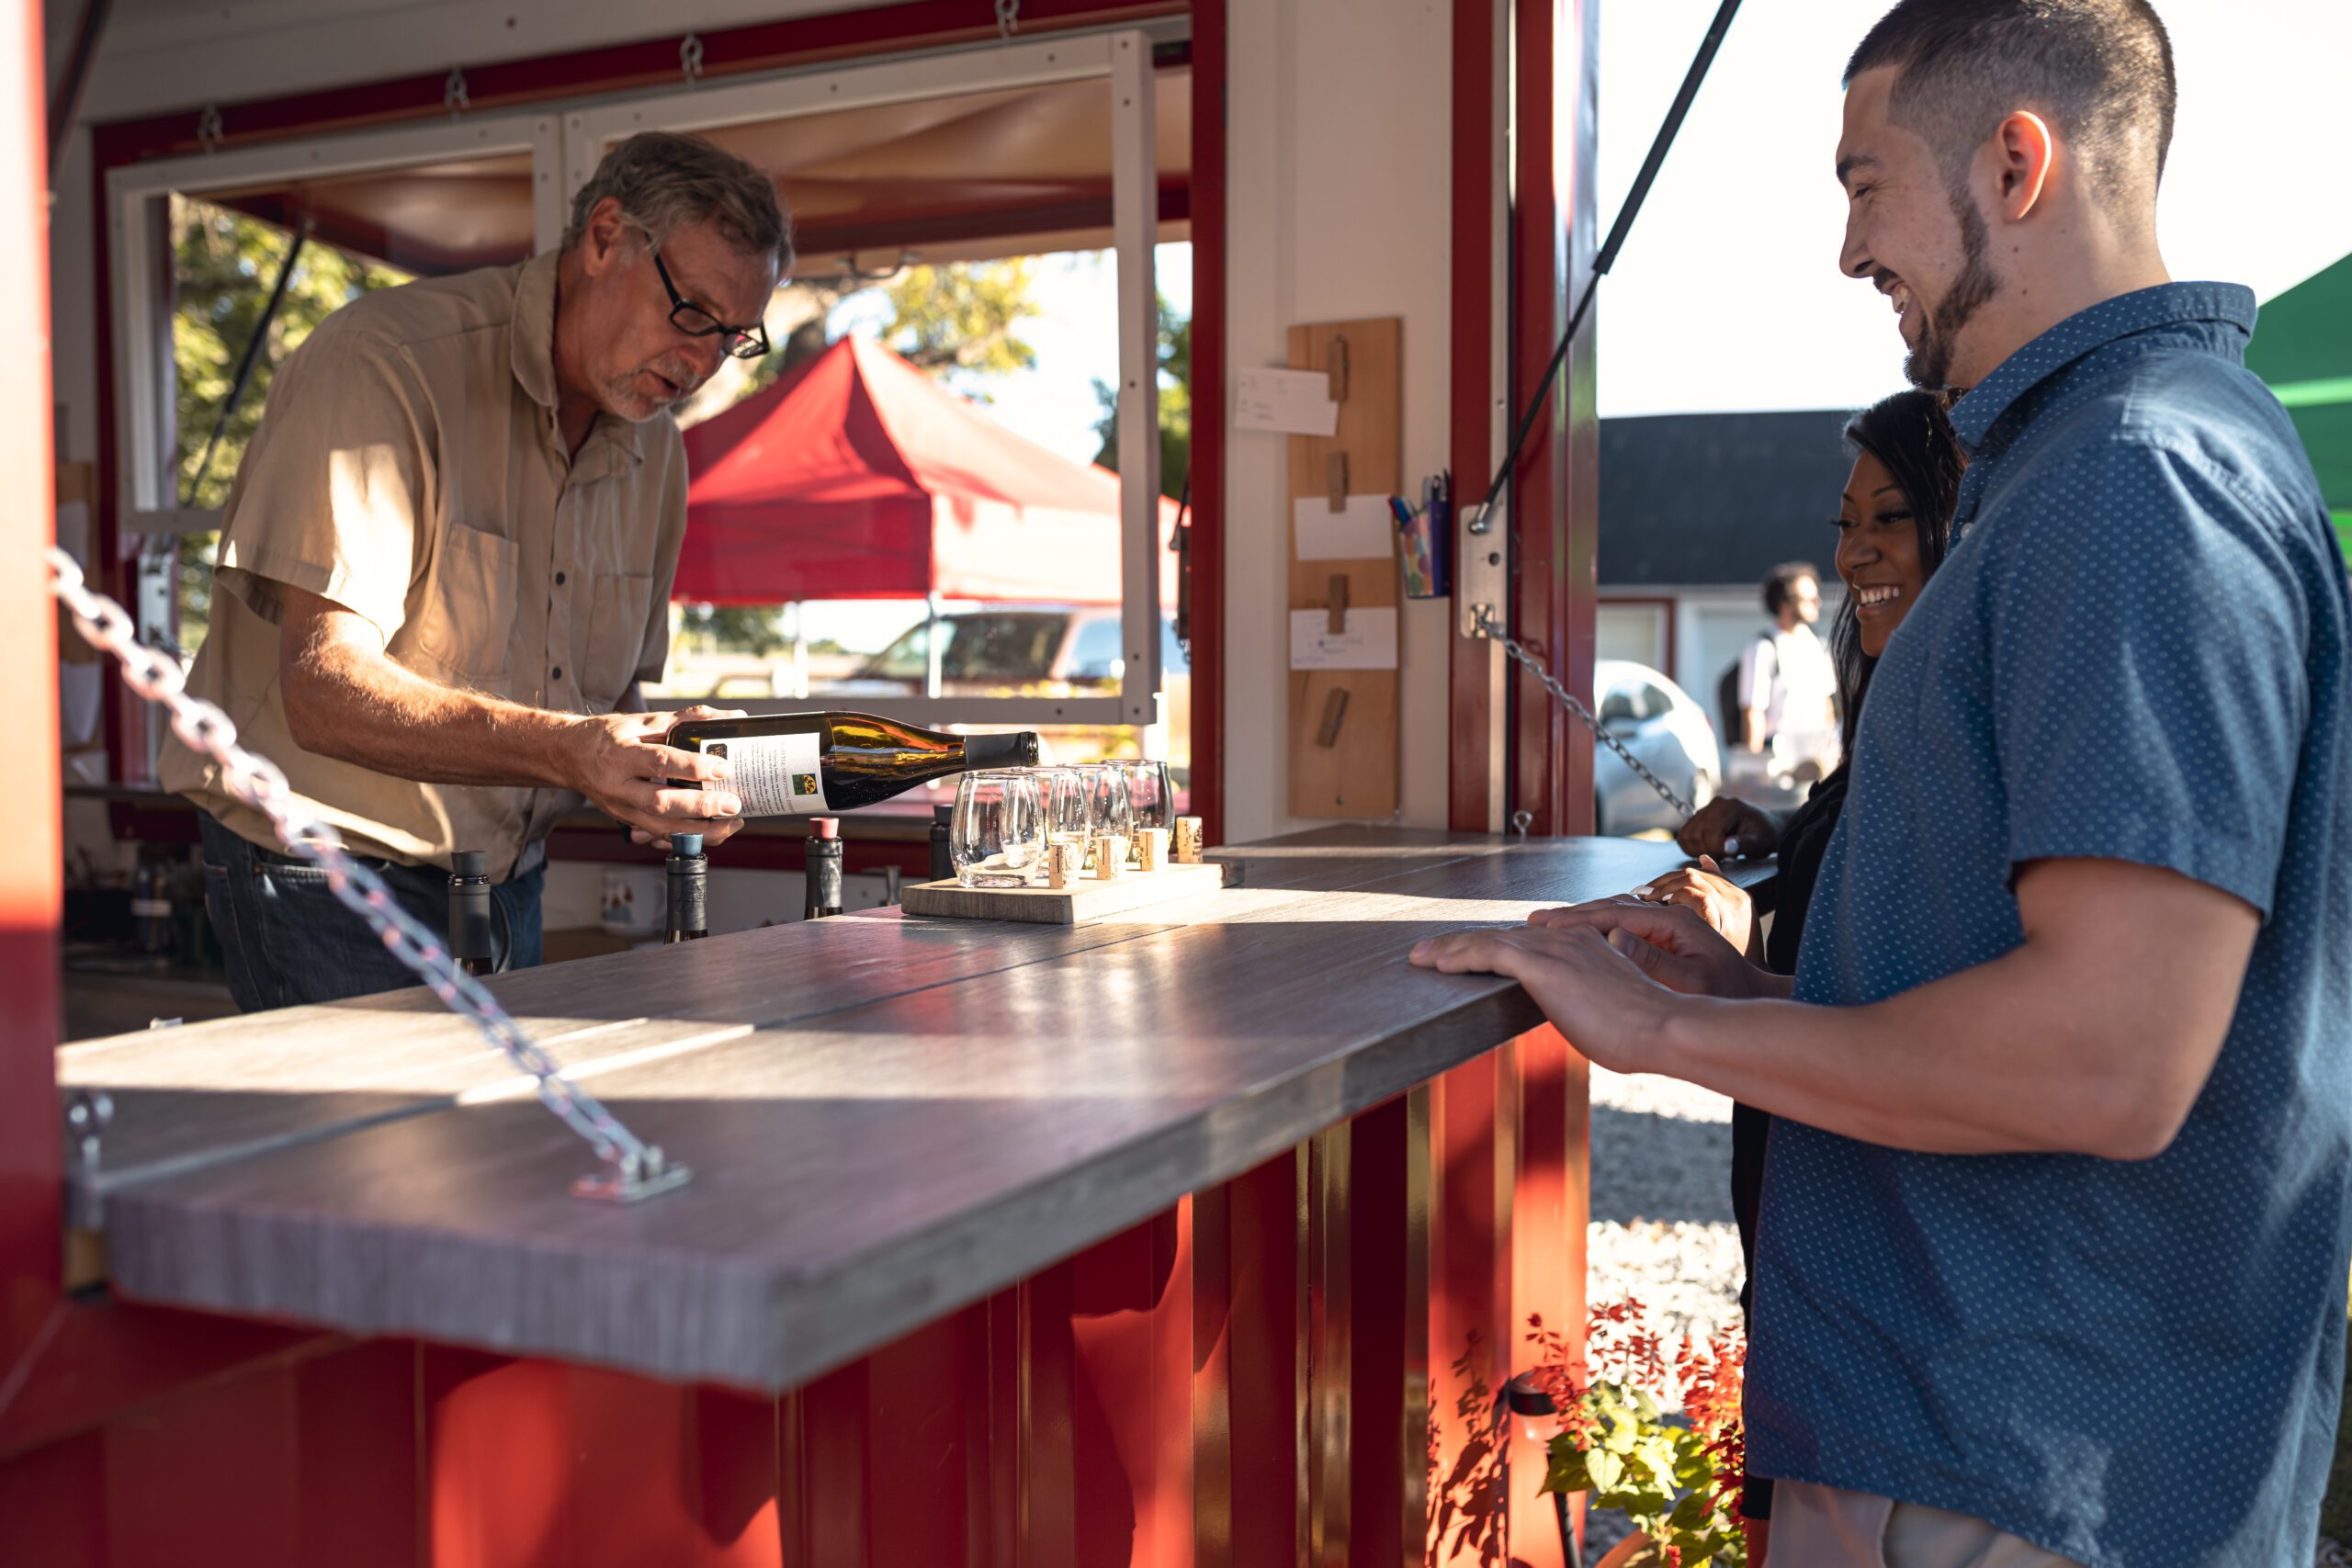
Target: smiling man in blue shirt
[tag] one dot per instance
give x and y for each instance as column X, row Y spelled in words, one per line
column 2055, row 1229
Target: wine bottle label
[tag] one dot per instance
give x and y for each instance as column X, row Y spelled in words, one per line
column 777, row 775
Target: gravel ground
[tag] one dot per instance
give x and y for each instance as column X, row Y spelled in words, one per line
column 1662, row 1230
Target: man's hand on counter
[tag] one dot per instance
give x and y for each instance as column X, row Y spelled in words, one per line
column 618, row 761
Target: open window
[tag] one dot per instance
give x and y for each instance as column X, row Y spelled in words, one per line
column 972, row 156
column 862, row 535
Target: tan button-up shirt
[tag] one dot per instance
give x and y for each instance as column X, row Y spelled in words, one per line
column 409, row 468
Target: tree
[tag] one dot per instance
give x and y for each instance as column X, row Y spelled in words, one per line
column 225, row 264
column 1175, row 404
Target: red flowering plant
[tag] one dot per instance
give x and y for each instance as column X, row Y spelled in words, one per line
column 1679, row 1482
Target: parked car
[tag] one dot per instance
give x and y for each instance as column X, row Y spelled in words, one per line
column 1659, row 723
column 1042, row 651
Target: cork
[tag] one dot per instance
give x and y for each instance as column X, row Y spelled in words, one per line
column 1151, row 848
column 1188, row 841
column 1061, row 864
column 1109, row 856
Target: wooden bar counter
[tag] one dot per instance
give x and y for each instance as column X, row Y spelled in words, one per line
column 1200, row 1234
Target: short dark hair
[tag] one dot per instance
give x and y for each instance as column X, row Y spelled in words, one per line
column 1913, row 436
column 1782, row 583
column 2101, row 68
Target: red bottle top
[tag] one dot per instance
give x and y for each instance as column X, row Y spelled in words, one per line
column 825, row 827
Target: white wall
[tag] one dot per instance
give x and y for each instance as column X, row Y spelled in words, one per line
column 168, row 54
column 1338, row 184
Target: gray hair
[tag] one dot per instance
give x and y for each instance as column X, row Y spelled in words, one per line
column 665, row 181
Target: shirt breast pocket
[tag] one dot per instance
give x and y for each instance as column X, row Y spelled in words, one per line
column 619, row 608
column 465, row 621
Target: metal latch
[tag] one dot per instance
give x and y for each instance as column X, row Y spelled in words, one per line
column 1481, row 567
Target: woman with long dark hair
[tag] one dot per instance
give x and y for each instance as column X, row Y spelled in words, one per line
column 1893, row 525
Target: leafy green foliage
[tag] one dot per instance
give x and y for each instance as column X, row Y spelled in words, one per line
column 1677, row 1479
column 226, row 264
column 1175, row 404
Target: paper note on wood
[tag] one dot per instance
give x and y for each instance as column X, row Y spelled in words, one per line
column 1368, row 640
column 1363, row 529
column 1296, row 402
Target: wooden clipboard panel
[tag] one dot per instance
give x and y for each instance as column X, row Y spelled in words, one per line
column 1344, row 757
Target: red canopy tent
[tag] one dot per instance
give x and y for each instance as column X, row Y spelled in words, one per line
column 859, row 476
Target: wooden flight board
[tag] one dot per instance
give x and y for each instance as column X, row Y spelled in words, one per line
column 1343, row 723
column 1084, row 900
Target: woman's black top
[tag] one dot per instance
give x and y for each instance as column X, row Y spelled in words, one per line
column 1803, row 842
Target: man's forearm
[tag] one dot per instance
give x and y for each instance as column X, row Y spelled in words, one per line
column 369, row 710
column 1996, row 1059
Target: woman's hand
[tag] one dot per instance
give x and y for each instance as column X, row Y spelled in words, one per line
column 1723, row 905
column 1726, row 820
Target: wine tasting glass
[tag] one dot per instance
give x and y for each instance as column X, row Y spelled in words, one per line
column 1109, row 808
column 1062, row 792
column 996, row 837
column 1151, row 796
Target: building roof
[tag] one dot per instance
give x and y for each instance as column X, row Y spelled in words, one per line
column 1701, row 499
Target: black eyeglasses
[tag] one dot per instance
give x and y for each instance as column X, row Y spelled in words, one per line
column 743, row 343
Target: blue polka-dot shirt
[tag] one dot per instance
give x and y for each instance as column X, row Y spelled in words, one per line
column 2136, row 651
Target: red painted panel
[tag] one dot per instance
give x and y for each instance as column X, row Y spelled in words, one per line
column 354, row 1412
column 207, row 1480
column 31, row 860
column 1549, row 1210
column 1262, row 1351
column 1470, row 417
column 1473, row 1134
column 1208, row 415
column 52, row 1501
column 1380, row 1277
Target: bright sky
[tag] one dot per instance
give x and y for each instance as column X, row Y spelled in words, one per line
column 1727, row 296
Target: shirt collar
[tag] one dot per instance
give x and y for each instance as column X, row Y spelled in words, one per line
column 534, row 361
column 2226, row 305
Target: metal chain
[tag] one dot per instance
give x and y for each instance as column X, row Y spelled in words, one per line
column 690, row 59
column 1008, row 18
column 638, row 1168
column 454, row 97
column 1568, row 700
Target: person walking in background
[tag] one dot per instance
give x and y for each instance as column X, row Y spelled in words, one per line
column 2062, row 1099
column 1787, row 688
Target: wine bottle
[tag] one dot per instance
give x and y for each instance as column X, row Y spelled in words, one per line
column 687, row 873
column 816, row 764
column 469, row 939
column 823, row 866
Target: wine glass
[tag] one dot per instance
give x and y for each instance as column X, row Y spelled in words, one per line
column 1151, row 796
column 1109, row 806
column 1068, row 809
column 996, row 837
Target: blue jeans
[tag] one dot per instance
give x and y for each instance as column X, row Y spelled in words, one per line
column 289, row 941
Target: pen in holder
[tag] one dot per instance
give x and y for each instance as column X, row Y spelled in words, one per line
column 1425, row 539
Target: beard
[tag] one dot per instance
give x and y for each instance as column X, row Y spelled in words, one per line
column 1928, row 365
column 625, row 399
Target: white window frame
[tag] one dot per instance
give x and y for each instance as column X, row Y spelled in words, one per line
column 565, row 143
column 1123, row 61
column 140, row 244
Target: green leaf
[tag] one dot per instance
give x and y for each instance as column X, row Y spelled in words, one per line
column 1693, row 1512
column 1605, row 1468
column 1566, row 1471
